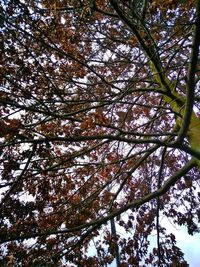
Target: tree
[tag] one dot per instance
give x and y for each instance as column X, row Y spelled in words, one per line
column 100, row 104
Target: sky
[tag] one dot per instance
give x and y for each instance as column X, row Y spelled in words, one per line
column 190, row 245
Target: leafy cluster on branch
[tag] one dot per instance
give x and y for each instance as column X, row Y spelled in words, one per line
column 99, row 126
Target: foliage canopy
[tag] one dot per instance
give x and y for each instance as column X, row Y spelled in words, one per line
column 100, row 105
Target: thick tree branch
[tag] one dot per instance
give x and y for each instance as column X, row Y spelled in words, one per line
column 190, row 89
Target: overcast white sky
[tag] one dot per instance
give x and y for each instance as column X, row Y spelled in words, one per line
column 190, row 245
